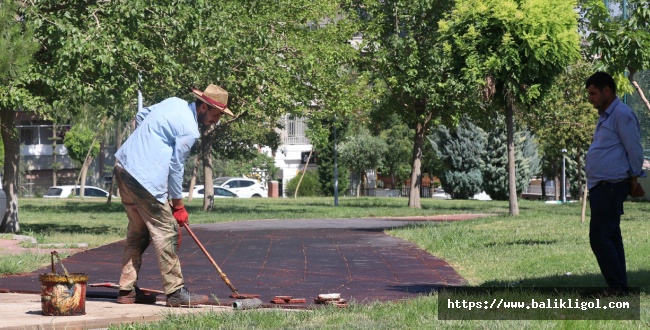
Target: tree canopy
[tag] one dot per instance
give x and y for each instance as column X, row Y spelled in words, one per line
column 516, row 48
column 404, row 56
column 273, row 57
column 621, row 44
column 18, row 46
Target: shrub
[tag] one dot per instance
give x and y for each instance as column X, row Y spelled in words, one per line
column 309, row 187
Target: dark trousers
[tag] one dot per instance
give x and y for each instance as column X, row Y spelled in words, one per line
column 606, row 204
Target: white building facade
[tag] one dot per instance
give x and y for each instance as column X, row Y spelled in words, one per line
column 292, row 155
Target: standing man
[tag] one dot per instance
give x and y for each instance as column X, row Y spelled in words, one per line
column 149, row 172
column 613, row 164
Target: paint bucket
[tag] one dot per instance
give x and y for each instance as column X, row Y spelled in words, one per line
column 63, row 294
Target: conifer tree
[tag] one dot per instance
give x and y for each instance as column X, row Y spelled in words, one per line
column 461, row 152
column 495, row 173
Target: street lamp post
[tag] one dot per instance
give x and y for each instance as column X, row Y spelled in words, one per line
column 563, row 184
column 336, row 170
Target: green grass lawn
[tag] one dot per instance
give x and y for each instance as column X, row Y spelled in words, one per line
column 546, row 246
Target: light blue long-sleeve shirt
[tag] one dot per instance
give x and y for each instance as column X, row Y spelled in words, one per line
column 155, row 153
column 615, row 153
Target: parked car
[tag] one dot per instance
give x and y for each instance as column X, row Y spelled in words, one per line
column 219, row 192
column 67, row 191
column 243, row 187
column 439, row 193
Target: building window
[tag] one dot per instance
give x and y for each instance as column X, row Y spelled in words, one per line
column 34, row 134
column 295, row 130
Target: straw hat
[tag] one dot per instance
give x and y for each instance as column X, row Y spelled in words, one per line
column 215, row 97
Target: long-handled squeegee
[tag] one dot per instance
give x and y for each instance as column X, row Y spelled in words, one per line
column 235, row 294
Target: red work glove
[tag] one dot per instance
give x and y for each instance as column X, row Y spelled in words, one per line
column 180, row 213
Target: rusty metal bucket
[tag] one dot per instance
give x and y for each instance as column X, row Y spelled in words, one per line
column 63, row 294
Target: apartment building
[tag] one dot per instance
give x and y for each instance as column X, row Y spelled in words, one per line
column 42, row 154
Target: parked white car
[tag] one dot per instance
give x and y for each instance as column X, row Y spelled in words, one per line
column 243, row 187
column 219, row 192
column 67, row 191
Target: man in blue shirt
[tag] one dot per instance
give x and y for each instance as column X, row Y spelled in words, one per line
column 149, row 172
column 613, row 164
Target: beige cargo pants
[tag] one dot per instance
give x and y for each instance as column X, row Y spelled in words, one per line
column 149, row 221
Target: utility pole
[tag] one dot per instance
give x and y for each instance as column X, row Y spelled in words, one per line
column 336, row 170
column 563, row 187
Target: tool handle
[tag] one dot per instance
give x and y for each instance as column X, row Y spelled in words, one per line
column 221, row 273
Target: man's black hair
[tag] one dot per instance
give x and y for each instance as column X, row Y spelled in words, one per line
column 600, row 80
column 198, row 103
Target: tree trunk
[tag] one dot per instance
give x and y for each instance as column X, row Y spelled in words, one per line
column 206, row 157
column 54, row 164
column 416, row 167
column 359, row 185
column 304, row 170
column 512, row 179
column 208, row 188
column 9, row 223
column 193, row 179
column 84, row 172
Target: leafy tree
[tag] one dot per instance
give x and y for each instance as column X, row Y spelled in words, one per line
column 82, row 146
column 18, row 46
column 362, row 152
column 567, row 121
column 399, row 138
column 635, row 102
column 325, row 152
column 527, row 159
column 621, row 43
column 575, row 174
column 403, row 54
column 517, row 48
column 273, row 57
column 432, row 165
column 306, row 64
column 461, row 152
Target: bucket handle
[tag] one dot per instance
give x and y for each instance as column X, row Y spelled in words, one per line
column 67, row 275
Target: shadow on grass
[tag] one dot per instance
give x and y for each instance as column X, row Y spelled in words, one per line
column 75, row 207
column 638, row 278
column 436, row 209
column 66, row 229
column 595, row 282
column 523, row 242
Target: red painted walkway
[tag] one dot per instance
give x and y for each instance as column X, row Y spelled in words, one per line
column 299, row 258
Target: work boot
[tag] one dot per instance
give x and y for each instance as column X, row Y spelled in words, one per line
column 184, row 298
column 135, row 296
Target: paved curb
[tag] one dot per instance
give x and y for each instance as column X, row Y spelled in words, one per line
column 23, row 311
